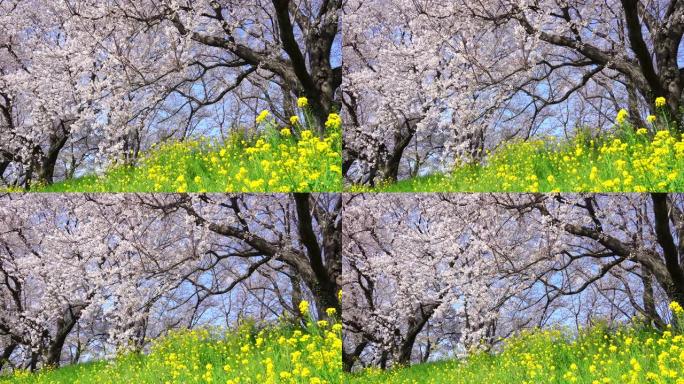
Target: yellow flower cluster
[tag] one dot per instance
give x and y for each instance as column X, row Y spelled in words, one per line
column 253, row 354
column 312, row 164
column 334, row 122
column 304, row 307
column 633, row 162
column 628, row 159
column 269, row 164
column 277, row 159
column 621, row 116
column 262, row 116
column 302, row 102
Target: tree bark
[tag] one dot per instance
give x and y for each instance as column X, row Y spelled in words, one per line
column 6, row 354
column 648, row 297
column 416, row 325
column 349, row 358
column 64, row 328
column 324, row 286
column 46, row 171
column 675, row 288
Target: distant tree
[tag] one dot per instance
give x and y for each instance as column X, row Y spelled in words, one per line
column 49, row 76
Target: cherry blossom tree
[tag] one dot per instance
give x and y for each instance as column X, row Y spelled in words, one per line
column 301, row 235
column 278, row 50
column 426, row 81
column 49, row 99
column 441, row 274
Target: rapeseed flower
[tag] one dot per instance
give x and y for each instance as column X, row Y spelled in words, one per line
column 262, row 116
column 621, row 116
column 304, row 307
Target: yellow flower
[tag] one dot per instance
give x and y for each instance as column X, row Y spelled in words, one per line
column 621, row 116
column 334, row 122
column 294, row 120
column 660, row 102
column 285, row 375
column 651, row 119
column 676, row 308
column 285, row 132
column 302, row 102
column 307, row 135
column 593, row 175
column 304, row 307
column 256, row 184
column 641, row 131
column 331, row 312
column 262, row 116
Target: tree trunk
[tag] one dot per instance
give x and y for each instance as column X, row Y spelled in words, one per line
column 3, row 168
column 324, row 286
column 416, row 325
column 428, row 349
column 403, row 137
column 6, row 354
column 64, row 328
column 349, row 358
column 652, row 316
column 46, row 171
column 675, row 288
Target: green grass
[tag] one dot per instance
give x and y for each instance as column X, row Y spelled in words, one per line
column 627, row 161
column 598, row 355
column 276, row 354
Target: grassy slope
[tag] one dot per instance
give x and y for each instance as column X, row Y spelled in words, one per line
column 598, row 356
column 627, row 162
column 275, row 355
